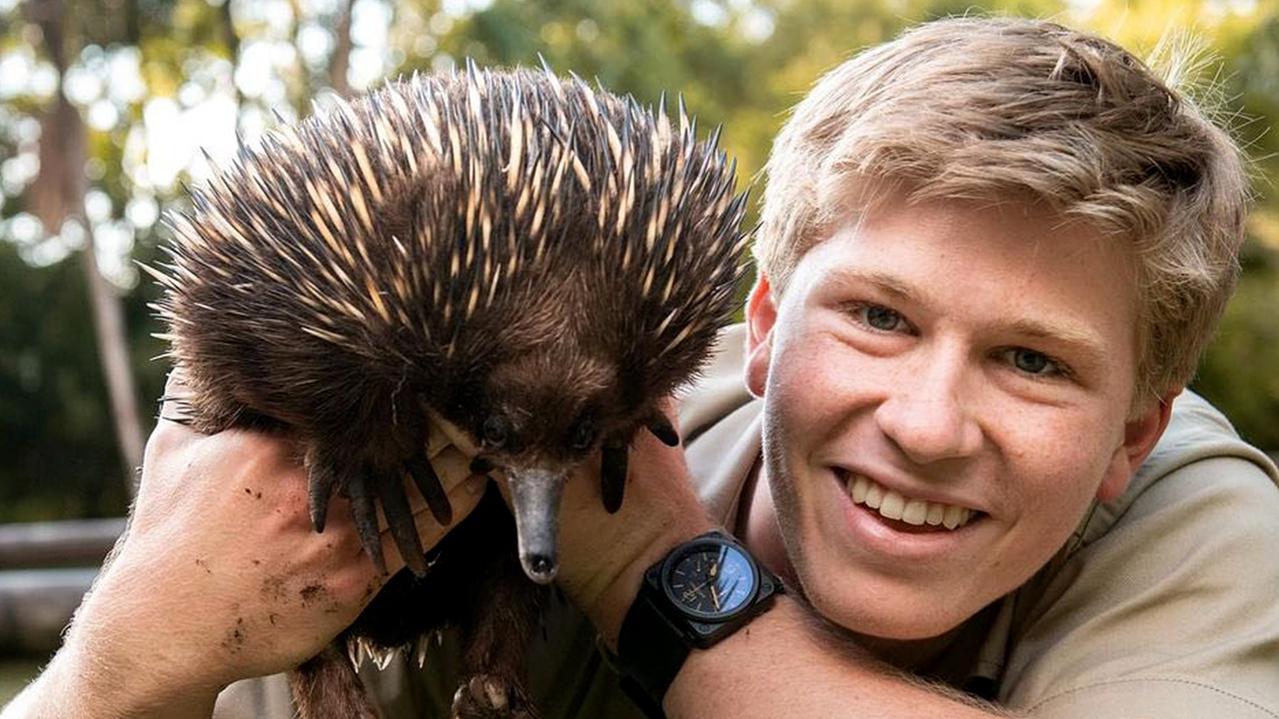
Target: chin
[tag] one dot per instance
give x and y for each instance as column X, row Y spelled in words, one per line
column 879, row 607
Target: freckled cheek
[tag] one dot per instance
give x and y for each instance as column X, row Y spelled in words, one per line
column 786, row 452
column 819, row 378
column 1053, row 479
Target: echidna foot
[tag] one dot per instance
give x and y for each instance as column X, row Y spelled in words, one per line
column 488, row 696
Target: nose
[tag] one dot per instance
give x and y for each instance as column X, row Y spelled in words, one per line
column 927, row 416
column 541, row 568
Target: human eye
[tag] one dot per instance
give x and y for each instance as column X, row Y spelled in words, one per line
column 878, row 317
column 1033, row 363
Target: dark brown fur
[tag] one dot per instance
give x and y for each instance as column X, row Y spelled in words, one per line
column 532, row 261
column 326, row 686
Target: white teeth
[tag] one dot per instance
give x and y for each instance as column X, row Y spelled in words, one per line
column 936, row 513
column 893, row 505
column 874, row 495
column 915, row 511
column 860, row 486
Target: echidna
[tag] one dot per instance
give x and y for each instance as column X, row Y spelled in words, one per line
column 533, row 261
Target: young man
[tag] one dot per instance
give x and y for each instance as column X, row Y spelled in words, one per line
column 992, row 253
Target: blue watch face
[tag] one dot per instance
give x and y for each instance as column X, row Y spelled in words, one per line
column 711, row 580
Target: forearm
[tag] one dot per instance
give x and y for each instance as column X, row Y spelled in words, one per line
column 114, row 664
column 784, row 664
column 76, row 685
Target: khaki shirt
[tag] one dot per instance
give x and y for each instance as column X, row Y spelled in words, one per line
column 1165, row 602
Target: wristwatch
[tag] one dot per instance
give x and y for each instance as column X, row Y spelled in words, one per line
column 701, row 592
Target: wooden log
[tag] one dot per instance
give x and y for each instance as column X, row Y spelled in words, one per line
column 37, row 604
column 70, row 543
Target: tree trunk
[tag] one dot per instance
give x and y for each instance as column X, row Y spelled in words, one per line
column 300, row 93
column 233, row 49
column 340, row 61
column 113, row 349
column 57, row 196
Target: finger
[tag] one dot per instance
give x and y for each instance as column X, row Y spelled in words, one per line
column 172, row 431
column 175, row 402
column 464, row 496
column 452, row 466
column 395, row 505
column 165, row 438
column 454, row 434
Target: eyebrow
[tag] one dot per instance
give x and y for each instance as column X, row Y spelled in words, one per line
column 1085, row 346
column 881, row 280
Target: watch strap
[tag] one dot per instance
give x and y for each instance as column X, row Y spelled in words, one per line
column 651, row 651
column 653, row 644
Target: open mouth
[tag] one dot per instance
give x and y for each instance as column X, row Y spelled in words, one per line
column 902, row 513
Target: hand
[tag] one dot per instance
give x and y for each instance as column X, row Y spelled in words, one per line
column 222, row 576
column 603, row 556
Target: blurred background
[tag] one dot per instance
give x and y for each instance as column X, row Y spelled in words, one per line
column 107, row 109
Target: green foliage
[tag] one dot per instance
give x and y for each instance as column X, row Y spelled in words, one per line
column 741, row 63
column 1239, row 371
column 60, row 458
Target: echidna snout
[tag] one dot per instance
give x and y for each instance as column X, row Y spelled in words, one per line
column 535, row 501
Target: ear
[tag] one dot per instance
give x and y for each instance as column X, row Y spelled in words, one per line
column 761, row 315
column 1140, row 435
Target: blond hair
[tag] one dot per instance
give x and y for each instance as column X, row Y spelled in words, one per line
column 983, row 109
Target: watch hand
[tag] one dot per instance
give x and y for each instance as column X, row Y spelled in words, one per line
column 715, row 596
column 692, row 591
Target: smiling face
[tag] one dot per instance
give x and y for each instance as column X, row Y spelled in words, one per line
column 947, row 387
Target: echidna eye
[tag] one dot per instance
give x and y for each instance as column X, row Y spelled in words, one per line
column 583, row 436
column 495, row 431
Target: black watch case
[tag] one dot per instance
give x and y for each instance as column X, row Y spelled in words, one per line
column 712, row 585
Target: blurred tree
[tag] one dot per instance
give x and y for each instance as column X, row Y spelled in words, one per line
column 56, row 198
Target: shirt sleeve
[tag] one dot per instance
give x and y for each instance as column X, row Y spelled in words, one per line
column 1171, row 613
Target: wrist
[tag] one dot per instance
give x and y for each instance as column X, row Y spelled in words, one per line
column 604, row 556
column 613, row 599
column 81, row 682
column 119, row 665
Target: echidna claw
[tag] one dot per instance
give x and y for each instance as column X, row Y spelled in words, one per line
column 399, row 517
column 613, row 465
column 428, row 483
column 662, row 428
column 365, row 515
column 320, row 480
